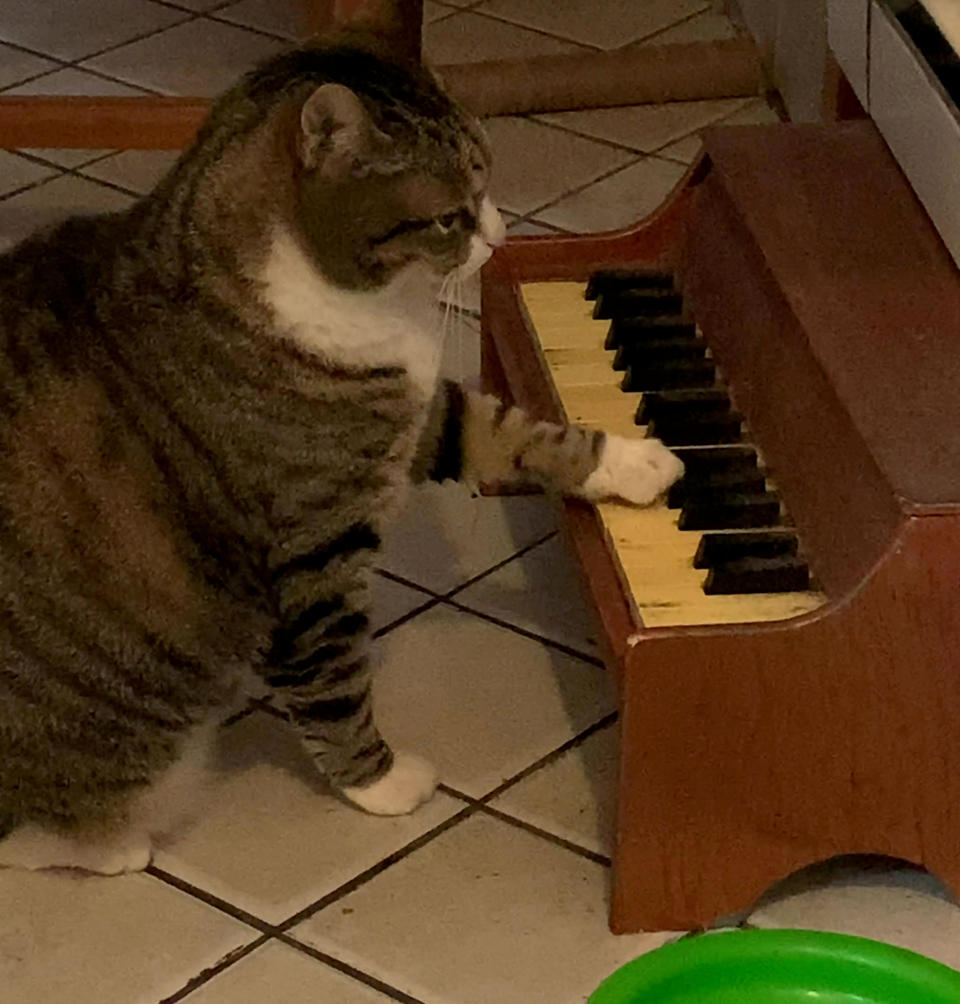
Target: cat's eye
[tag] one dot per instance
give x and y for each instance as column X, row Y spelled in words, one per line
column 446, row 223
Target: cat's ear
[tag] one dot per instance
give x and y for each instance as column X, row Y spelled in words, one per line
column 336, row 133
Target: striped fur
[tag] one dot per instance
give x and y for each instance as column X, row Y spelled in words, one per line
column 200, row 444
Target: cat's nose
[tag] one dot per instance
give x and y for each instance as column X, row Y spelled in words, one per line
column 492, row 228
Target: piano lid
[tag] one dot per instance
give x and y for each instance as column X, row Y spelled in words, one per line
column 871, row 283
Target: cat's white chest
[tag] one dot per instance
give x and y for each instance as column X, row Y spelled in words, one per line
column 398, row 326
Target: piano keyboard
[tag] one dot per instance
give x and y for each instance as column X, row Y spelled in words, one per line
column 662, row 551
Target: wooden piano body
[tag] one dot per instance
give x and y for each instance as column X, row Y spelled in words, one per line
column 750, row 750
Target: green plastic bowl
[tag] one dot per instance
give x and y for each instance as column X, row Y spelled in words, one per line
column 780, row 967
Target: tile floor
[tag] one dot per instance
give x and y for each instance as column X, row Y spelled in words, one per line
column 495, row 892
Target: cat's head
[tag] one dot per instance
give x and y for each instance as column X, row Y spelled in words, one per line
column 390, row 172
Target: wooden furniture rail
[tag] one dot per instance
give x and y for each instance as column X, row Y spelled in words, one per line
column 727, row 68
column 750, row 750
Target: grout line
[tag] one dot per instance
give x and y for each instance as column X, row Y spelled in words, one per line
column 374, row 870
column 495, row 568
column 104, row 183
column 573, row 653
column 577, row 190
column 191, row 10
column 705, row 9
column 75, row 62
column 599, row 140
column 387, row 574
column 358, row 974
column 290, row 40
column 393, row 577
column 35, row 184
column 211, row 900
column 45, row 162
column 400, row 621
column 552, row 227
column 208, row 974
column 569, row 845
column 117, row 80
column 589, row 46
column 563, row 748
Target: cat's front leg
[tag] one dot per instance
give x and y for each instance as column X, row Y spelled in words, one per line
column 319, row 673
column 479, row 439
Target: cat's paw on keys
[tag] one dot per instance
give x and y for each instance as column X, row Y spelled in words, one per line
column 637, row 470
column 409, row 782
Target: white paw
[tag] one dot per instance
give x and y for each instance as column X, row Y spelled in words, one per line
column 34, row 848
column 409, row 782
column 637, row 470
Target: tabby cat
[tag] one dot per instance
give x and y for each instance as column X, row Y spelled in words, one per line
column 211, row 404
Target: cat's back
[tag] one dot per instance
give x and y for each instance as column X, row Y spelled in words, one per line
column 50, row 287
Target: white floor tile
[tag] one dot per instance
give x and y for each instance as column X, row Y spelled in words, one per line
column 273, row 838
column 531, row 228
column 541, row 591
column 623, row 21
column 445, row 535
column 470, row 38
column 618, row 201
column 74, row 81
column 533, row 164
column 202, row 5
column 392, row 601
column 646, row 128
column 17, row 172
column 888, row 903
column 72, row 939
column 755, row 112
column 22, row 214
column 484, row 913
column 282, row 974
column 710, row 26
column 435, row 11
column 137, row 170
column 685, row 150
column 279, row 17
column 71, row 29
column 15, row 65
column 65, row 156
column 574, row 796
column 201, row 58
column 481, row 702
column 461, row 352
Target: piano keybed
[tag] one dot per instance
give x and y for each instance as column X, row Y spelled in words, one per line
column 640, row 368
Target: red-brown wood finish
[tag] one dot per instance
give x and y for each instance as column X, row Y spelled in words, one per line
column 749, row 751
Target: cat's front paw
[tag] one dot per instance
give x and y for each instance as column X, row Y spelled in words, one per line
column 408, row 783
column 637, row 470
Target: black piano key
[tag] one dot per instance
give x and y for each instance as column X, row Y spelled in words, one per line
column 783, row 574
column 644, row 302
column 687, row 401
column 669, row 374
column 691, row 489
column 628, row 330
column 697, row 430
column 731, row 511
column 611, row 279
column 717, row 548
column 703, row 462
column 656, row 350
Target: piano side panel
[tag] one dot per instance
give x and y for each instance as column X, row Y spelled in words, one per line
column 748, row 756
column 845, row 510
